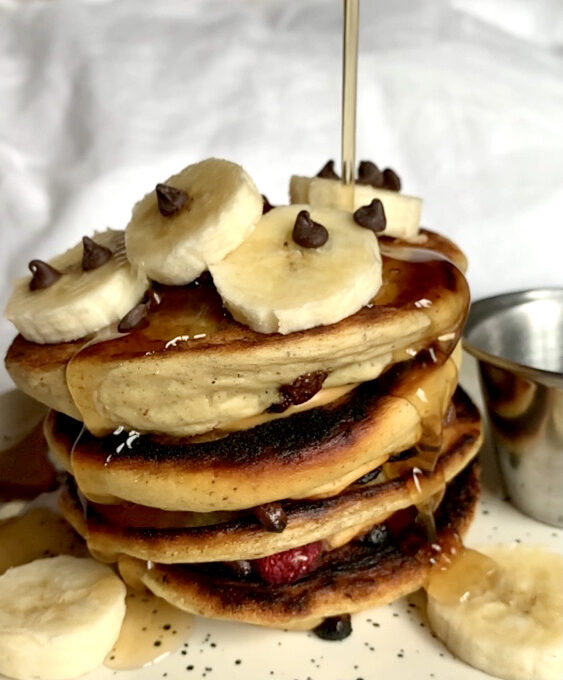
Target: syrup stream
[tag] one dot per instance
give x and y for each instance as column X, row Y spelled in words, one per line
column 349, row 89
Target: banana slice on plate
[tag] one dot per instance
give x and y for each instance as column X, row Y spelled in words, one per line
column 402, row 212
column 295, row 272
column 59, row 617
column 193, row 220
column 77, row 293
column 511, row 626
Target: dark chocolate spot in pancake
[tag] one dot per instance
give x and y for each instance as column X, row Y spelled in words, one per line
column 241, row 568
column 302, row 435
column 94, row 255
column 378, row 535
column 43, row 275
column 299, row 391
column 284, row 441
column 271, row 516
column 170, row 199
column 327, row 171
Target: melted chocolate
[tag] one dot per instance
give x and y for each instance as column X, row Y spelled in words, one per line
column 299, row 391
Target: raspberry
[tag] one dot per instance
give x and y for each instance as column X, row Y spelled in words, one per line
column 289, row 565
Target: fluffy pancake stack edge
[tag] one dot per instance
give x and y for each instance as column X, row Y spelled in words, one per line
column 275, row 479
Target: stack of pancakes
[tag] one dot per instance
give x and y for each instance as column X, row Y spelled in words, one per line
column 189, row 499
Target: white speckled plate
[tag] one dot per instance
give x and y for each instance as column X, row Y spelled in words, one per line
column 391, row 642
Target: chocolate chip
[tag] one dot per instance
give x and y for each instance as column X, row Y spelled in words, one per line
column 327, row 171
column 137, row 317
column 271, row 516
column 391, row 180
column 170, row 200
column 134, row 319
column 371, row 216
column 240, row 568
column 299, row 391
column 334, row 627
column 308, row 234
column 151, row 298
column 94, row 255
column 378, row 535
column 43, row 275
column 369, row 173
column 266, row 205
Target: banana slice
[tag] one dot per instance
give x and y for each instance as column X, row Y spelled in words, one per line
column 272, row 284
column 80, row 301
column 402, row 212
column 59, row 617
column 512, row 628
column 193, row 220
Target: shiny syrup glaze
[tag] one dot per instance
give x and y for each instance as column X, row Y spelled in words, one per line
column 151, row 630
column 193, row 316
column 424, row 390
column 412, row 277
column 460, row 574
column 37, row 534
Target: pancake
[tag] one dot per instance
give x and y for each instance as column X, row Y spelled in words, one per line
column 356, row 576
column 193, row 369
column 171, row 537
column 311, row 454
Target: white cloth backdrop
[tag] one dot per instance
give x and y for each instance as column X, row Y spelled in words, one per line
column 99, row 100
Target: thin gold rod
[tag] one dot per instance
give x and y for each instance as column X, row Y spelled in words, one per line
column 349, row 88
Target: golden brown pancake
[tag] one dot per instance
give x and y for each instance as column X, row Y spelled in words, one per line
column 310, row 454
column 193, row 369
column 170, row 537
column 356, row 576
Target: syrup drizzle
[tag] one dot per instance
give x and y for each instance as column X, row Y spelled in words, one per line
column 193, row 316
column 37, row 534
column 461, row 574
column 152, row 629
